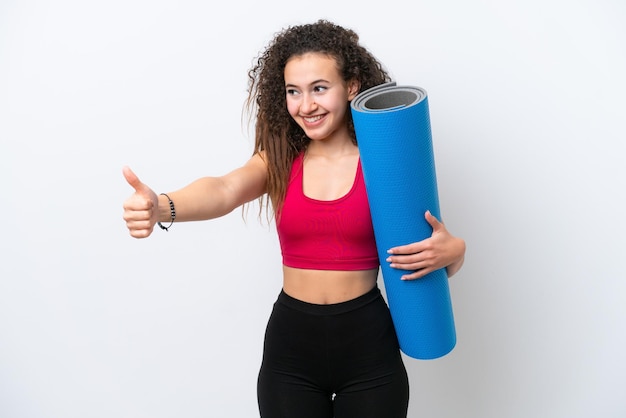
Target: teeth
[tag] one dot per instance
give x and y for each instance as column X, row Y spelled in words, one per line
column 313, row 119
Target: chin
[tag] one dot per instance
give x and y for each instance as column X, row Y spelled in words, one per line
column 316, row 138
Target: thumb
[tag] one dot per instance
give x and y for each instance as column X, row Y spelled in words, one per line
column 134, row 181
column 433, row 221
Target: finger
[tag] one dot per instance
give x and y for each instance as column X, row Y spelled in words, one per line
column 432, row 220
column 140, row 233
column 413, row 248
column 419, row 246
column 416, row 275
column 134, row 181
column 140, row 228
column 139, row 225
column 415, row 262
column 140, row 211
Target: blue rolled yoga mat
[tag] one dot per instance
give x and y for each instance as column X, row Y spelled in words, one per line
column 392, row 126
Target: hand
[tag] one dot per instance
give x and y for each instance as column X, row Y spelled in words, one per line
column 440, row 250
column 141, row 209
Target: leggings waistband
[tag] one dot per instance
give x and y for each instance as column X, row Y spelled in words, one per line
column 332, row 308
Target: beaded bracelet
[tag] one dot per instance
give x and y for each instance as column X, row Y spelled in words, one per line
column 172, row 215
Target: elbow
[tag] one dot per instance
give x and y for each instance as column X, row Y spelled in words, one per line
column 456, row 265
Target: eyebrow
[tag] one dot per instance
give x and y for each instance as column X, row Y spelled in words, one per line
column 321, row 80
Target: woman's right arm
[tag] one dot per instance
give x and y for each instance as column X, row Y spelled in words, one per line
column 205, row 198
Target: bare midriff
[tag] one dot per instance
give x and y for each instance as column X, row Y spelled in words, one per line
column 327, row 286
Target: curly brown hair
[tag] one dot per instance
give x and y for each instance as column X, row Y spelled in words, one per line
column 276, row 133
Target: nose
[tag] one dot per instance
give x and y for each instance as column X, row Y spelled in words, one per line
column 308, row 104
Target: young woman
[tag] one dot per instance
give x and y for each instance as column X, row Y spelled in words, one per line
column 330, row 346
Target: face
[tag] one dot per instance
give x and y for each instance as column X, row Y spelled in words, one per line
column 317, row 96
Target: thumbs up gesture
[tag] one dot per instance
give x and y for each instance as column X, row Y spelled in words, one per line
column 140, row 209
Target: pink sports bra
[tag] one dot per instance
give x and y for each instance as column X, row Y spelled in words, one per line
column 326, row 234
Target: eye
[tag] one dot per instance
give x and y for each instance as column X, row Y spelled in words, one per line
column 292, row 92
column 319, row 89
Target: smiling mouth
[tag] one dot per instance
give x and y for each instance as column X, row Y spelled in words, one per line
column 313, row 119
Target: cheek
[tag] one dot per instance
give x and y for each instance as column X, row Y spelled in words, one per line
column 292, row 107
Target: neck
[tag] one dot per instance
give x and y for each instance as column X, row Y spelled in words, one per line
column 331, row 149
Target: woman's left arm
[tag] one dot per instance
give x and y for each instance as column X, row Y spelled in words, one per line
column 440, row 250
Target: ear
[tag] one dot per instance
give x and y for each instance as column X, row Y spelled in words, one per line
column 353, row 89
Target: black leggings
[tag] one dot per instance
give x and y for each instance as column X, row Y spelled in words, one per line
column 340, row 360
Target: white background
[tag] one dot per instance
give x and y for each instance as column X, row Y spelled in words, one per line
column 527, row 103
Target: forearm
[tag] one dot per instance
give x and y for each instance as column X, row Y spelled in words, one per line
column 212, row 197
column 205, row 198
